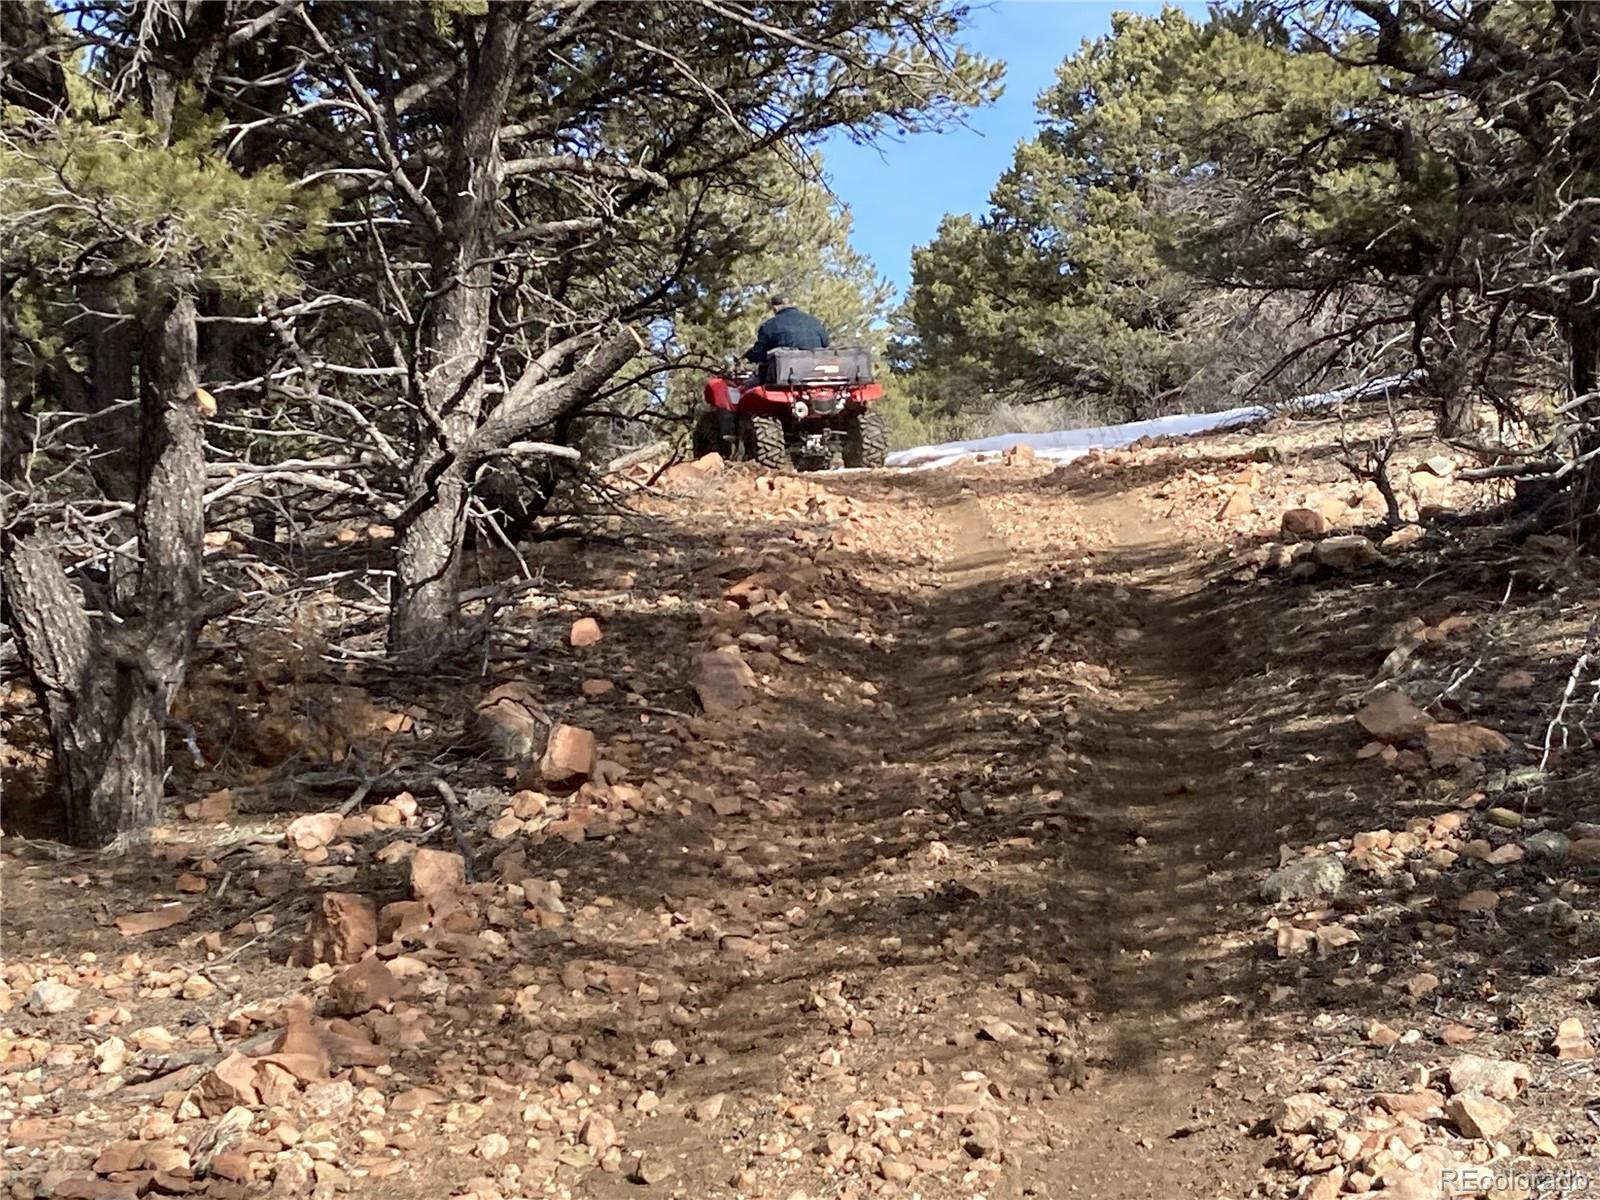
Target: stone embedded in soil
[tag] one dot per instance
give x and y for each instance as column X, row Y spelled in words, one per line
column 722, row 680
column 216, row 806
column 595, row 688
column 1498, row 1079
column 1424, row 983
column 1382, row 1035
column 1477, row 1115
column 1584, row 852
column 1304, row 523
column 569, row 756
column 165, row 917
column 344, row 927
column 507, row 722
column 997, row 1030
column 1392, row 718
column 313, row 831
column 1306, row 1112
column 585, row 632
column 650, row 1169
column 708, row 1109
column 436, row 874
column 1347, row 552
column 1237, row 504
column 1450, row 745
column 231, row 1083
column 1547, row 843
column 1571, row 1042
column 367, row 985
column 1423, row 1105
column 49, row 997
column 1313, row 878
column 598, row 1133
column 1479, row 901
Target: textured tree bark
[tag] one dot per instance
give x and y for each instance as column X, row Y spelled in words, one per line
column 423, row 607
column 108, row 684
column 113, row 433
column 1583, row 351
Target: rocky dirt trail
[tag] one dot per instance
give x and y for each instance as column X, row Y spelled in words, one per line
column 1000, row 831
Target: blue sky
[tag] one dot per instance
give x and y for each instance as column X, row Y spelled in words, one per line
column 898, row 191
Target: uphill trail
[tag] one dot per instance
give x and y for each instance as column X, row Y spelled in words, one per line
column 1012, row 974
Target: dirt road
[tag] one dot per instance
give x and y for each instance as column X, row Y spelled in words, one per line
column 983, row 862
column 944, row 882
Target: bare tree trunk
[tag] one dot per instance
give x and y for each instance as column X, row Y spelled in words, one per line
column 424, row 608
column 105, row 720
column 113, row 433
column 108, row 684
column 1583, row 349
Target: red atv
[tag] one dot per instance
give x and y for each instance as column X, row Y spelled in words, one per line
column 804, row 406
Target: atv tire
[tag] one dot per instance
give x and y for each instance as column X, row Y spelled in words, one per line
column 708, row 436
column 761, row 440
column 866, row 439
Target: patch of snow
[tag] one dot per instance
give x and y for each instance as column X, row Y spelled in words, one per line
column 1068, row 444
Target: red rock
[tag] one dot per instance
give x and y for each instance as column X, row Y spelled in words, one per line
column 1392, row 718
column 367, row 985
column 1450, row 745
column 404, row 918
column 1304, row 523
column 1424, row 1106
column 231, row 1082
column 1571, row 1042
column 722, row 680
column 569, row 756
column 87, row 1187
column 120, row 1156
column 168, row 915
column 585, row 632
column 595, row 688
column 32, row 1131
column 1478, row 1116
column 343, row 928
column 1237, row 504
column 232, row 1165
column 437, row 874
column 313, row 831
column 508, row 722
column 351, row 1045
column 217, row 806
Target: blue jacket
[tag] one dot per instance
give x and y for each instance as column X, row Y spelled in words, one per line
column 788, row 328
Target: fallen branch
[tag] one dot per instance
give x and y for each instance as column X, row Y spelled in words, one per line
column 452, row 808
column 1517, row 470
column 635, row 457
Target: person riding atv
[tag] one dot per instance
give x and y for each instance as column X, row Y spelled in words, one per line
column 807, row 401
column 788, row 328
